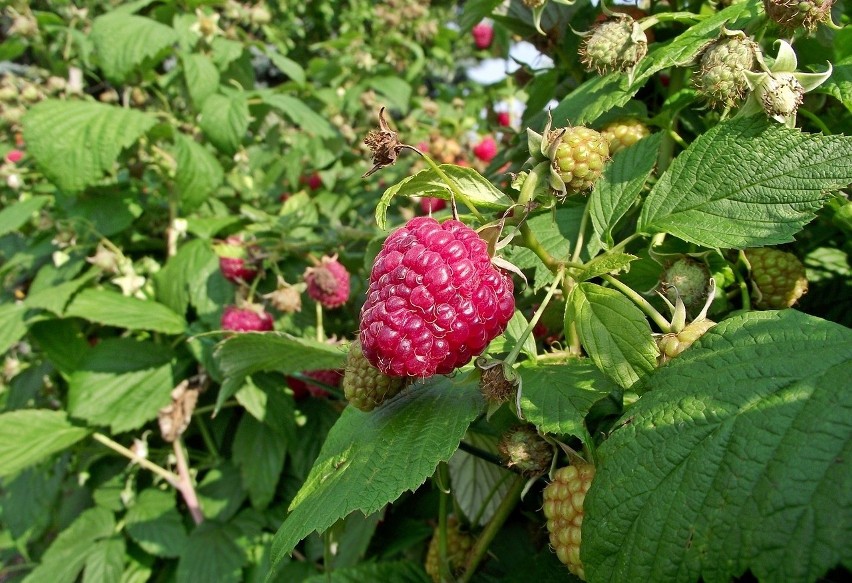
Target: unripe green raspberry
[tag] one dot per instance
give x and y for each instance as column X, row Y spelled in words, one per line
column 524, row 448
column 563, row 508
column 778, row 278
column 721, row 80
column 365, row 386
column 792, row 14
column 671, row 345
column 614, row 45
column 623, row 133
column 690, row 278
column 458, row 547
column 580, row 158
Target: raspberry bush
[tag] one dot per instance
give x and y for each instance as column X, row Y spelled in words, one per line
column 369, row 291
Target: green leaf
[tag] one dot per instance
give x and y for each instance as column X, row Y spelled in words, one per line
column 621, row 185
column 406, row 571
column 556, row 397
column 259, row 450
column 126, row 43
column 427, row 182
column 298, row 112
column 121, row 383
column 386, row 452
column 287, row 66
column 62, row 342
column 225, row 120
column 13, row 217
column 248, row 353
column 105, row 561
column 601, row 94
column 28, row 500
column 201, row 76
column 614, row 332
column 745, row 183
column 555, row 234
column 154, row 523
column 394, row 90
column 608, row 263
column 55, row 298
column 174, row 279
column 479, row 486
column 221, row 493
column 28, row 436
column 212, row 554
column 198, row 173
column 839, row 85
column 66, row 556
column 75, row 142
column 13, row 324
column 734, row 461
column 509, row 339
column 474, row 11
column 114, row 309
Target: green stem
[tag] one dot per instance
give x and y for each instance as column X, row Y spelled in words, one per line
column 641, row 302
column 814, row 119
column 516, row 350
column 494, row 525
column 168, row 476
column 532, row 243
column 453, row 186
column 206, row 436
column 528, row 188
column 581, row 235
column 444, row 570
column 672, row 17
column 619, row 246
column 320, row 331
column 741, row 282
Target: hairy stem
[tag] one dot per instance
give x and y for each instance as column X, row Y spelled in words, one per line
column 168, row 476
column 185, row 485
column 641, row 302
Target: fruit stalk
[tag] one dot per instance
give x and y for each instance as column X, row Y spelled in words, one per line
column 185, row 486
column 641, row 302
column 482, row 543
column 516, row 350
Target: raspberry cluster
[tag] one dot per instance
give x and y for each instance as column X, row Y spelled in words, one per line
column 458, row 546
column 778, row 277
column 365, row 386
column 563, row 508
column 580, row 158
column 722, row 80
column 614, row 45
column 623, row 133
column 793, row 14
column 434, row 300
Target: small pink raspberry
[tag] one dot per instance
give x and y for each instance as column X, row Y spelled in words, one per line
column 503, row 119
column 486, row 149
column 235, row 260
column 248, row 319
column 313, row 181
column 434, row 301
column 431, row 204
column 483, row 35
column 14, row 156
column 302, row 389
column 563, row 508
column 328, row 283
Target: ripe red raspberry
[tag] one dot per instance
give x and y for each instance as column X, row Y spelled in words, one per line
column 503, row 119
column 434, row 301
column 431, row 204
column 328, row 283
column 313, row 181
column 301, row 389
column 563, row 508
column 486, row 149
column 483, row 35
column 14, row 156
column 248, row 319
column 235, row 260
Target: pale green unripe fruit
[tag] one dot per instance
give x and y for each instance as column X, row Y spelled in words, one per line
column 721, row 80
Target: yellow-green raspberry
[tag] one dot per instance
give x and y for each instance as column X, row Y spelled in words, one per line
column 563, row 508
column 778, row 278
column 792, row 14
column 458, row 546
column 616, row 44
column 722, row 80
column 365, row 386
column 623, row 133
column 671, row 345
column 580, row 158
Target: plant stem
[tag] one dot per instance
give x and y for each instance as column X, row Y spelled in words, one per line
column 444, row 569
column 516, row 350
column 528, row 188
column 494, row 525
column 621, row 245
column 206, row 436
column 185, row 486
column 572, row 336
column 581, row 235
column 320, row 331
column 168, row 476
column 641, row 302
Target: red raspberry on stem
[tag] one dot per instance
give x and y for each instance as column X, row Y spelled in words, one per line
column 328, row 283
column 434, row 301
column 235, row 262
column 503, row 119
column 302, row 389
column 486, row 149
column 14, row 156
column 247, row 319
column 483, row 35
